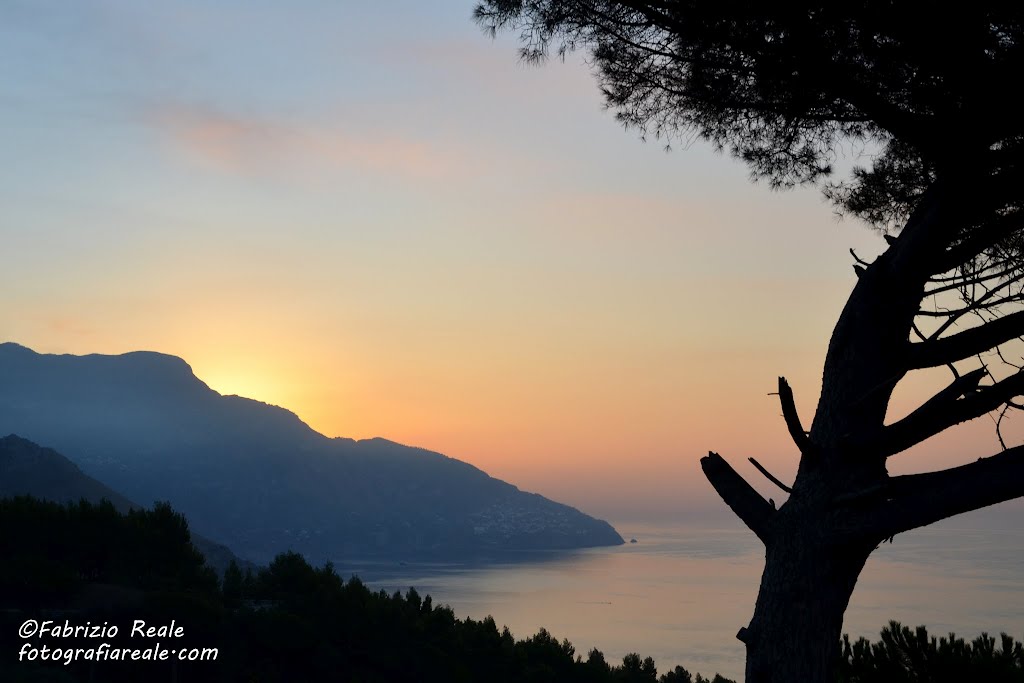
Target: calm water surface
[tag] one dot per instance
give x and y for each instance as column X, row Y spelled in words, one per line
column 679, row 595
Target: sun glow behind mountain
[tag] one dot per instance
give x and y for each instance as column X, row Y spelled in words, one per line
column 373, row 226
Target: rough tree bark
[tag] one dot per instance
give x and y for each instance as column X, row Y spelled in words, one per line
column 843, row 503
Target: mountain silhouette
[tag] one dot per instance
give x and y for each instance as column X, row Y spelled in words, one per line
column 257, row 478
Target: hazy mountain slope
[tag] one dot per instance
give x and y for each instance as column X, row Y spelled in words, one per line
column 258, row 478
column 27, row 469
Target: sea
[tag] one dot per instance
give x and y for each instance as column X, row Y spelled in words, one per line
column 680, row 594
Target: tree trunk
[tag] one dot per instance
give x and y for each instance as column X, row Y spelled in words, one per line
column 816, row 546
column 808, row 578
column 843, row 501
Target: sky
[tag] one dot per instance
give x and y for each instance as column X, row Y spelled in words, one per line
column 374, row 215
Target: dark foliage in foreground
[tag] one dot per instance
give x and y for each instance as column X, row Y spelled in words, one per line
column 52, row 552
column 904, row 656
column 295, row 622
column 288, row 622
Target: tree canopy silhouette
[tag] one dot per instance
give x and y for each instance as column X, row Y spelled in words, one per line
column 927, row 98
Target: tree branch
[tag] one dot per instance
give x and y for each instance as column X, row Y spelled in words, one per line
column 917, row 500
column 796, row 430
column 944, row 410
column 747, row 503
column 961, row 280
column 769, row 476
column 936, row 352
column 988, row 300
column 924, row 236
column 984, row 238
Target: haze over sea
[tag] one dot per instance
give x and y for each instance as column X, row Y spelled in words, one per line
column 681, row 592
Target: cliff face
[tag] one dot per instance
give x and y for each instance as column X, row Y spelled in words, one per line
column 257, row 478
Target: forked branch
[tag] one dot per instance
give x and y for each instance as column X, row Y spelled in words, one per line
column 917, row 500
column 946, row 409
column 936, row 352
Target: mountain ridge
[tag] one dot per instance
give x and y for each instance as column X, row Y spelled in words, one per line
column 261, row 480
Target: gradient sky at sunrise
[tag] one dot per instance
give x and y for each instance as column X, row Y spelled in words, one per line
column 375, row 216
